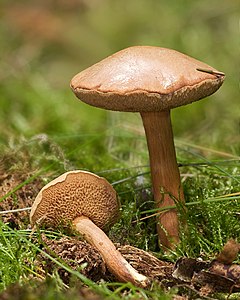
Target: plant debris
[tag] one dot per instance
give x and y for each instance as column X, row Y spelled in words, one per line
column 81, row 256
column 201, row 277
column 229, row 252
column 21, row 198
column 147, row 264
column 219, row 275
column 77, row 254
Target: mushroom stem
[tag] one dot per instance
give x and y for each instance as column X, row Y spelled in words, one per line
column 115, row 262
column 165, row 173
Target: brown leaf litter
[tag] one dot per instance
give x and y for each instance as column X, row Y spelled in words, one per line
column 218, row 275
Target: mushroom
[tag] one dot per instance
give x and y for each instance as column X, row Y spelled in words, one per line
column 152, row 81
column 88, row 203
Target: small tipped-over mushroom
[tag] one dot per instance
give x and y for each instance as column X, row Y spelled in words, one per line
column 152, row 81
column 88, row 203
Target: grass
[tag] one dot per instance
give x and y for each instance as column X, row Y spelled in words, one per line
column 45, row 131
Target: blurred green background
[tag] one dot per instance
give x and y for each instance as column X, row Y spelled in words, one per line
column 45, row 43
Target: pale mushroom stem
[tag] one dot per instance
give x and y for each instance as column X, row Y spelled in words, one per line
column 115, row 262
column 165, row 173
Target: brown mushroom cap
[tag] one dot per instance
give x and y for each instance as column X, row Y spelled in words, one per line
column 72, row 195
column 145, row 78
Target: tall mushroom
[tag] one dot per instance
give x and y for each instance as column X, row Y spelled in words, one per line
column 152, row 81
column 88, row 203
